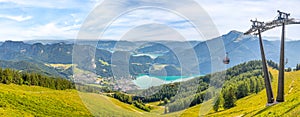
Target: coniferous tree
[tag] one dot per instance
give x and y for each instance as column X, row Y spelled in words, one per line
column 219, row 103
column 253, row 84
column 229, row 96
column 297, row 67
column 243, row 89
column 8, row 76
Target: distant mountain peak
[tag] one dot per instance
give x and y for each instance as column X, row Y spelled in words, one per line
column 232, row 36
column 13, row 44
column 10, row 41
column 234, row 32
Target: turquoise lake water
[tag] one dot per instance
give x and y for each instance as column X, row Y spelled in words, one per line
column 168, row 78
column 146, row 81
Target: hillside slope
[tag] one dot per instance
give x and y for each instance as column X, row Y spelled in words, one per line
column 24, row 100
column 19, row 101
column 255, row 104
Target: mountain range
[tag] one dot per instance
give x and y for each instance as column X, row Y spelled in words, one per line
column 170, row 58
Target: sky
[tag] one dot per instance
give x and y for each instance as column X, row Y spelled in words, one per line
column 62, row 19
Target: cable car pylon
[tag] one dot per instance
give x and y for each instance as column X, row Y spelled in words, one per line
column 258, row 26
column 283, row 18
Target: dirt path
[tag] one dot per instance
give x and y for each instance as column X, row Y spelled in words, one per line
column 291, row 87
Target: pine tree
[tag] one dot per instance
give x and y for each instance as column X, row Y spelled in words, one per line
column 8, row 76
column 243, row 89
column 229, row 97
column 219, row 103
column 253, row 84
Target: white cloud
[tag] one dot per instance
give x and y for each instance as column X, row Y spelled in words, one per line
column 16, row 18
column 236, row 14
column 148, row 15
column 47, row 3
column 52, row 30
column 47, row 19
column 48, row 31
column 138, row 18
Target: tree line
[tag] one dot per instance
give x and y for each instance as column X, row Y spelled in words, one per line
column 297, row 67
column 248, row 81
column 8, row 76
column 159, row 93
column 240, row 81
column 126, row 98
column 236, row 89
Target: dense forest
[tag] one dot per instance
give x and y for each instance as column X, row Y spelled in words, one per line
column 242, row 80
column 158, row 93
column 8, row 76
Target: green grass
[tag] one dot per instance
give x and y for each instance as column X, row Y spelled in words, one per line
column 67, row 66
column 104, row 106
column 62, row 66
column 18, row 100
column 110, row 107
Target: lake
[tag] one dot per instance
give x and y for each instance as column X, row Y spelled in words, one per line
column 146, row 81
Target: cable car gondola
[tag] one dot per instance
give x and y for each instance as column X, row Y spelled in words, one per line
column 226, row 60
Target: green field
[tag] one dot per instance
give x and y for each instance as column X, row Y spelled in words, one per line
column 16, row 100
column 23, row 100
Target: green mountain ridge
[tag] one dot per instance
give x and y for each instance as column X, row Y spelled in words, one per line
column 26, row 66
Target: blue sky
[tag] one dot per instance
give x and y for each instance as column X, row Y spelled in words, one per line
column 62, row 19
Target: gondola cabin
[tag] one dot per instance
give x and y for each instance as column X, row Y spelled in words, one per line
column 226, row 60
